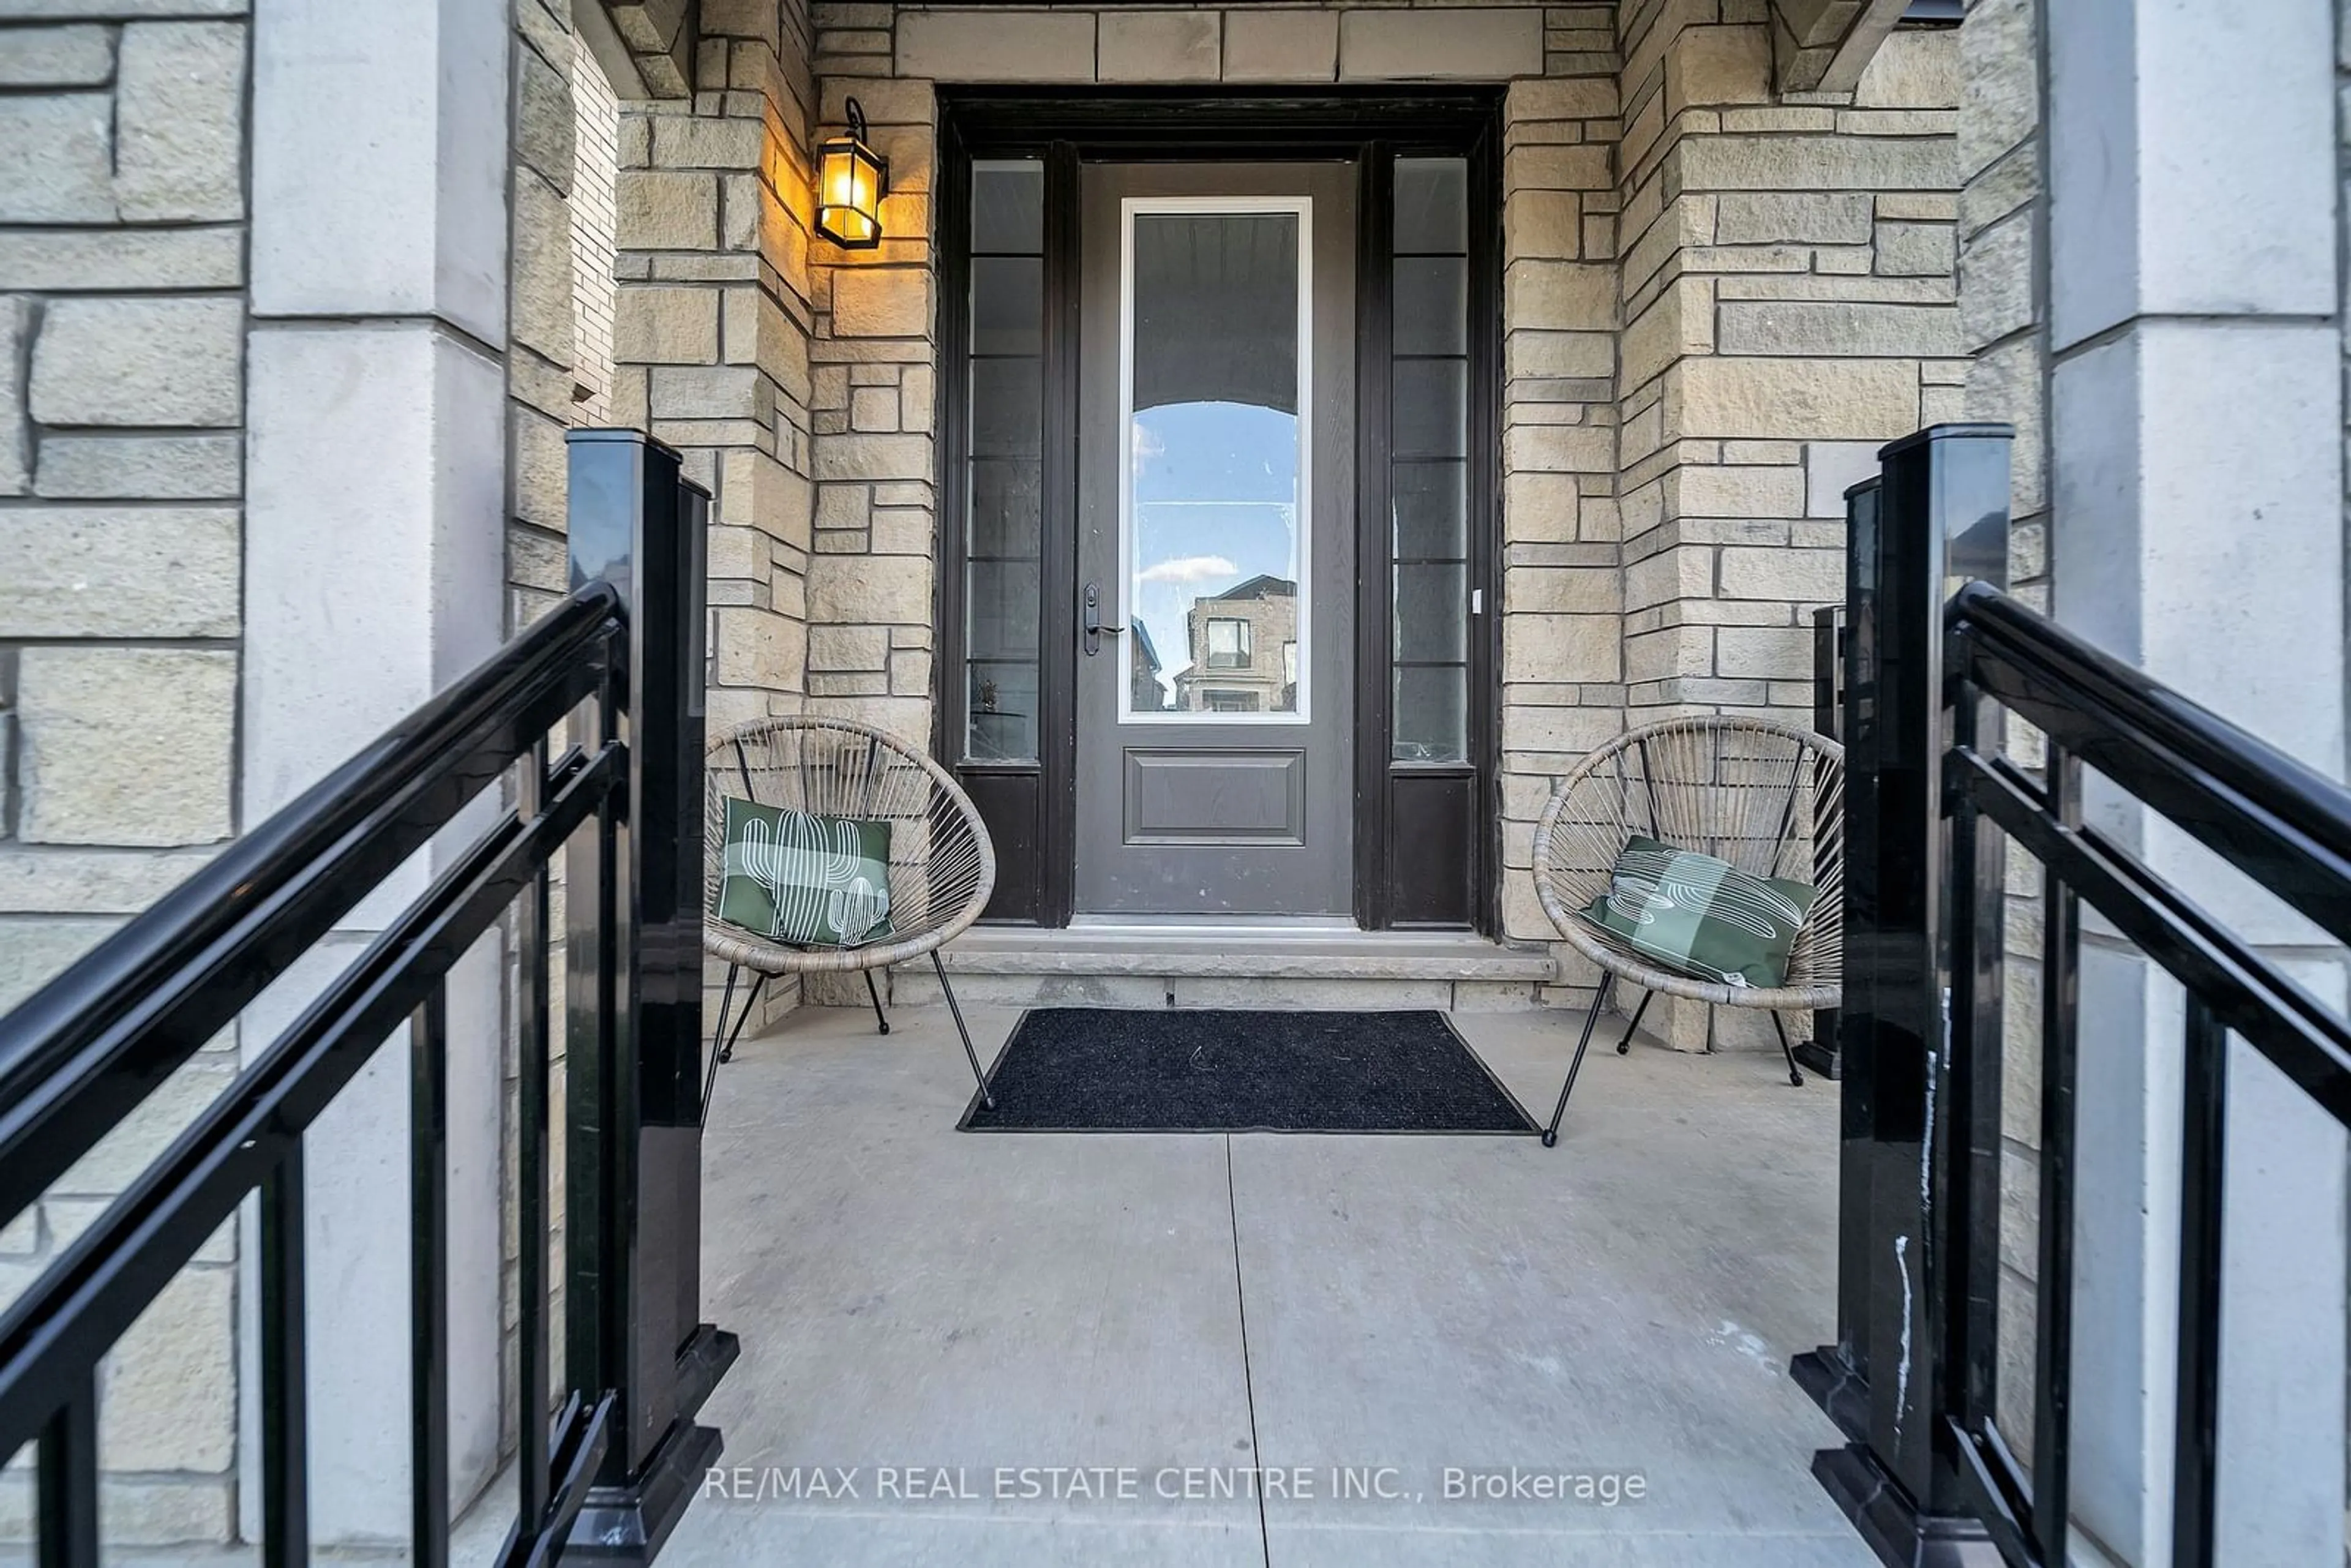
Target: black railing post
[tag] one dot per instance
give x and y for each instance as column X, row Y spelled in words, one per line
column 1937, row 516
column 1837, row 1376
column 637, row 1119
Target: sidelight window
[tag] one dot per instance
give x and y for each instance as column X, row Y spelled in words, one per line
column 1429, row 381
column 1003, row 527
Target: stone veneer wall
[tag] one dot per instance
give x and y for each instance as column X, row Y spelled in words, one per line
column 122, row 266
column 658, row 283
column 711, row 329
column 595, row 181
column 560, row 292
column 1563, row 593
column 121, row 403
column 2003, row 315
column 122, row 245
column 543, row 387
column 1781, row 273
column 875, row 352
column 123, row 309
column 1789, row 305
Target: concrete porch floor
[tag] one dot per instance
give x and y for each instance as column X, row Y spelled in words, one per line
column 1182, row 1307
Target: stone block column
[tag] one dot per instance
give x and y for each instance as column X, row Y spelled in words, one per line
column 710, row 330
column 545, row 382
column 2195, row 331
column 2002, row 315
column 1562, row 663
column 872, row 584
column 374, row 575
column 872, row 581
column 711, row 322
column 1787, row 273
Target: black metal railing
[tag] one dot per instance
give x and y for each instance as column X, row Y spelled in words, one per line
column 1937, row 653
column 82, row 1054
column 2258, row 808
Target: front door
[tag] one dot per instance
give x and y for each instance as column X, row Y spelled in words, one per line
column 1216, row 554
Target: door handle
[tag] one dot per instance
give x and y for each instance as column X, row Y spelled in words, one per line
column 1089, row 621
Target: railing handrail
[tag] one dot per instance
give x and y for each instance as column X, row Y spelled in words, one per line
column 452, row 833
column 82, row 1054
column 2273, row 819
column 2265, row 811
column 89, row 1294
column 82, row 1051
column 1961, row 1428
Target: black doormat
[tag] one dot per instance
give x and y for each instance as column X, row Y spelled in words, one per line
column 1103, row 1070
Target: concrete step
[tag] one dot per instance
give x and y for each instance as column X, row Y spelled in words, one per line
column 1233, row 966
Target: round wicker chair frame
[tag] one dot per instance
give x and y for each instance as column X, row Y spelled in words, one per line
column 1767, row 797
column 942, row 865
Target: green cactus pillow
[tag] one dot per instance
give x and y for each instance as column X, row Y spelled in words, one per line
column 809, row 881
column 1702, row 917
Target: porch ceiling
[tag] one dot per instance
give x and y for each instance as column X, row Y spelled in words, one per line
column 1817, row 46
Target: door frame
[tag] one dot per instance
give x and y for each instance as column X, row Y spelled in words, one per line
column 1406, row 876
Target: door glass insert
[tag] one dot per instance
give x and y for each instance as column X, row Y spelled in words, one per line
column 1428, row 388
column 1213, row 504
column 1005, row 457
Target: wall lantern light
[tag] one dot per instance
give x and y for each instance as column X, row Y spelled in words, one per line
column 852, row 180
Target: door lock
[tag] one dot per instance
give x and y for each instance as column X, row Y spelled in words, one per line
column 1091, row 621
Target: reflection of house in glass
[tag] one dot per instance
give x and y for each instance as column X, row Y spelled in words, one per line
column 1145, row 692
column 1244, row 650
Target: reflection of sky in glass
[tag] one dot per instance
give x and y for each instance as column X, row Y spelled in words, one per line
column 1216, row 503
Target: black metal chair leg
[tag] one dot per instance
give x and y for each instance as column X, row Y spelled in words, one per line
column 1794, row 1076
column 1599, row 1005
column 1625, row 1046
column 750, row 1006
column 970, row 1055
column 875, row 992
column 725, row 1001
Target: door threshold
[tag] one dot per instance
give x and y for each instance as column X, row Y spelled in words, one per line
column 1257, row 925
column 1223, row 948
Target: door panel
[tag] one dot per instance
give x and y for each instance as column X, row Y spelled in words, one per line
column 1230, row 796
column 1216, row 547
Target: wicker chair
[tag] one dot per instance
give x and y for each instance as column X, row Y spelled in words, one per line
column 941, row 867
column 1767, row 797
